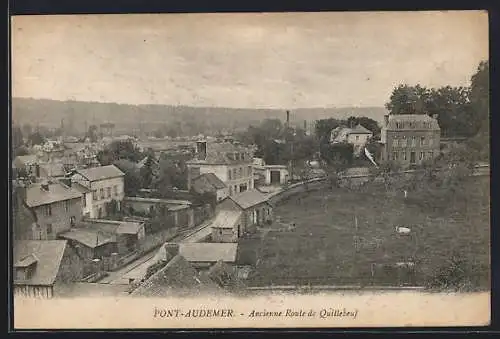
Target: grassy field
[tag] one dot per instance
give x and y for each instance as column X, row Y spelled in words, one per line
column 320, row 250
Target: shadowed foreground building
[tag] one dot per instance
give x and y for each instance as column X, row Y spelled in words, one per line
column 41, row 267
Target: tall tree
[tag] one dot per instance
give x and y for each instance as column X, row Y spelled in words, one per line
column 407, row 99
column 324, row 127
column 133, row 180
column 93, row 133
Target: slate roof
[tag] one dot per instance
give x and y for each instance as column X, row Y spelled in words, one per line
column 88, row 237
column 100, row 173
column 177, row 275
column 418, row 119
column 207, row 182
column 249, row 198
column 208, row 252
column 226, row 219
column 359, row 129
column 36, row 196
column 49, row 254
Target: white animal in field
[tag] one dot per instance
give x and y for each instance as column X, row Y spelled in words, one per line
column 403, row 230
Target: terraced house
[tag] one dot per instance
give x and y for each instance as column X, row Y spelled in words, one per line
column 410, row 139
column 105, row 185
column 231, row 163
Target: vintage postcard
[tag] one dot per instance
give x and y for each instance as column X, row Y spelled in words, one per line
column 257, row 170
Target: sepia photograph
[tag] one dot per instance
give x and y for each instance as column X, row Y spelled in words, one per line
column 250, row 170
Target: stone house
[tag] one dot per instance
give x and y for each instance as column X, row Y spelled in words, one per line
column 410, row 139
column 107, row 184
column 54, row 208
column 231, row 163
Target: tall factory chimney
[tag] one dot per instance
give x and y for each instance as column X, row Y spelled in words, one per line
column 287, row 119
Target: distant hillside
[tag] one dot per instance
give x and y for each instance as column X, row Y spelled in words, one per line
column 127, row 118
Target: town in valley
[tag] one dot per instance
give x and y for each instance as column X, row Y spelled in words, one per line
column 157, row 200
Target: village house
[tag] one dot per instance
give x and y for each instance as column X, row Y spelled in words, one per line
column 358, row 136
column 410, row 139
column 255, row 207
column 231, row 163
column 270, row 174
column 43, row 267
column 107, row 185
column 210, row 183
column 48, row 208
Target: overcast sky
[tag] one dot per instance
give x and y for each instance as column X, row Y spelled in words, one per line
column 285, row 60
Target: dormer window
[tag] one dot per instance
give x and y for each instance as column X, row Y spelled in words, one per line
column 25, row 267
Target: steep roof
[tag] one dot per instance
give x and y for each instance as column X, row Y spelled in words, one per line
column 207, row 182
column 249, row 198
column 36, row 196
column 88, row 236
column 208, row 252
column 226, row 219
column 359, row 129
column 48, row 255
column 176, row 276
column 100, row 173
column 421, row 121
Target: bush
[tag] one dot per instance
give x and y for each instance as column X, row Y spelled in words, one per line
column 456, row 275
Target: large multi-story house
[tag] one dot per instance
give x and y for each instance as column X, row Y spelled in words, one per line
column 231, row 163
column 410, row 139
column 44, row 210
column 358, row 136
column 101, row 185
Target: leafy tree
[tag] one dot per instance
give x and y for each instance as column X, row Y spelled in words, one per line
column 407, row 99
column 93, row 133
column 133, row 180
column 149, row 172
column 324, row 127
column 118, row 150
column 479, row 98
column 36, row 138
